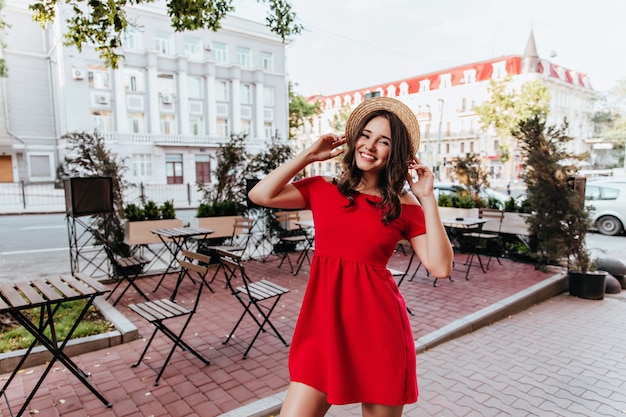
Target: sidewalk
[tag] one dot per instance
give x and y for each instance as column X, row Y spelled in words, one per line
column 538, row 360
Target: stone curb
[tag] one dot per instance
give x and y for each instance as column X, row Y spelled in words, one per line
column 514, row 304
column 124, row 332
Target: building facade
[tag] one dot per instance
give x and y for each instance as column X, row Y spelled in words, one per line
column 174, row 98
column 444, row 103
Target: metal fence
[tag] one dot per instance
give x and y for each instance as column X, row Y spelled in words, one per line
column 17, row 197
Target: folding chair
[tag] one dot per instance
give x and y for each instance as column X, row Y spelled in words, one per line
column 488, row 237
column 200, row 259
column 237, row 242
column 124, row 268
column 292, row 237
column 256, row 297
column 160, row 311
column 401, row 274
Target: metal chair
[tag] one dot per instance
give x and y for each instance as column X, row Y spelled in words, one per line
column 125, row 269
column 290, row 237
column 487, row 239
column 256, row 297
column 161, row 311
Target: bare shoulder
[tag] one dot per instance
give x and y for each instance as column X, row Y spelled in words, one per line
column 409, row 199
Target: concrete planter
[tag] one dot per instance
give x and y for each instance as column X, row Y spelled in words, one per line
column 139, row 233
column 222, row 226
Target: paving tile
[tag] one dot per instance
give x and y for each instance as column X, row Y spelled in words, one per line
column 536, row 362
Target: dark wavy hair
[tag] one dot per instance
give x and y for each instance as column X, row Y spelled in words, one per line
column 392, row 179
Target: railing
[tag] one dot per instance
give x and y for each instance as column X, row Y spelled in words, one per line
column 18, row 197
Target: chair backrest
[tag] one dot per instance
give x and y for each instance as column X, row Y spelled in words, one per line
column 495, row 218
column 233, row 268
column 196, row 262
column 287, row 219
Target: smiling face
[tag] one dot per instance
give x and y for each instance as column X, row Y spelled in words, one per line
column 373, row 146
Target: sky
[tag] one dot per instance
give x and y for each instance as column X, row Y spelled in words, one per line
column 352, row 44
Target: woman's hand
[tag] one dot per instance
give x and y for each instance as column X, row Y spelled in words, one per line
column 326, row 147
column 424, row 186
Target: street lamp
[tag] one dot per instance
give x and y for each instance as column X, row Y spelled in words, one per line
column 437, row 170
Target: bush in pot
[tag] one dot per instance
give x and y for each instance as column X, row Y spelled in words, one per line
column 559, row 221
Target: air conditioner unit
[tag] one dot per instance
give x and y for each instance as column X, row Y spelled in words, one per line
column 103, row 99
column 166, row 99
column 208, row 47
column 78, row 74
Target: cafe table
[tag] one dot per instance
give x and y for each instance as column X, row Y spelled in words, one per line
column 175, row 240
column 47, row 295
column 457, row 227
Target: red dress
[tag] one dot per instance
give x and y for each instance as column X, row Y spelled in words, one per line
column 353, row 340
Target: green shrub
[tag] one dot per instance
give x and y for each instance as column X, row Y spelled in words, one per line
column 220, row 208
column 133, row 213
column 151, row 210
column 167, row 210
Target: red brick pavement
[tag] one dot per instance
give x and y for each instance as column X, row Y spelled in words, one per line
column 190, row 388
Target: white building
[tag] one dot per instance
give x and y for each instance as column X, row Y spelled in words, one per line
column 443, row 102
column 175, row 97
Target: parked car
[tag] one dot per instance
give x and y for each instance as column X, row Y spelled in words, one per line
column 607, row 200
column 451, row 188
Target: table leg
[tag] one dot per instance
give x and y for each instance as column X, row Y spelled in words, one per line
column 55, row 349
column 175, row 248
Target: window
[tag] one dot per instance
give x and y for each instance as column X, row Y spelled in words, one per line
column 134, row 80
column 246, row 126
column 168, row 124
column 469, row 76
column 132, row 38
column 266, row 61
column 136, row 122
column 163, row 43
column 246, row 94
column 268, row 96
column 463, row 105
column 99, row 78
column 445, row 80
column 193, row 47
column 220, row 52
column 372, row 94
column 244, row 57
column 499, row 69
column 102, row 120
column 195, row 87
column 165, row 84
column 40, row 166
column 142, row 165
column 223, row 130
column 268, row 127
column 174, row 168
column 221, row 91
column 203, row 169
column 196, row 125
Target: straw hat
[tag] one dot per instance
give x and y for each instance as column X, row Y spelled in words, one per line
column 404, row 113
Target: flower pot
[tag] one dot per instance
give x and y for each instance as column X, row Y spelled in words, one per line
column 139, row 233
column 588, row 285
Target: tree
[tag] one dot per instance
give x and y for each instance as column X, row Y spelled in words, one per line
column 560, row 220
column 341, row 118
column 103, row 23
column 88, row 156
column 300, row 110
column 471, row 174
column 232, row 161
column 276, row 153
column 506, row 107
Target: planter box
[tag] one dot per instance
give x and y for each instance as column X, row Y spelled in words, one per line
column 455, row 212
column 515, row 224
column 221, row 226
column 139, row 233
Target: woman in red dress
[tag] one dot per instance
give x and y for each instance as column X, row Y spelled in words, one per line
column 353, row 341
